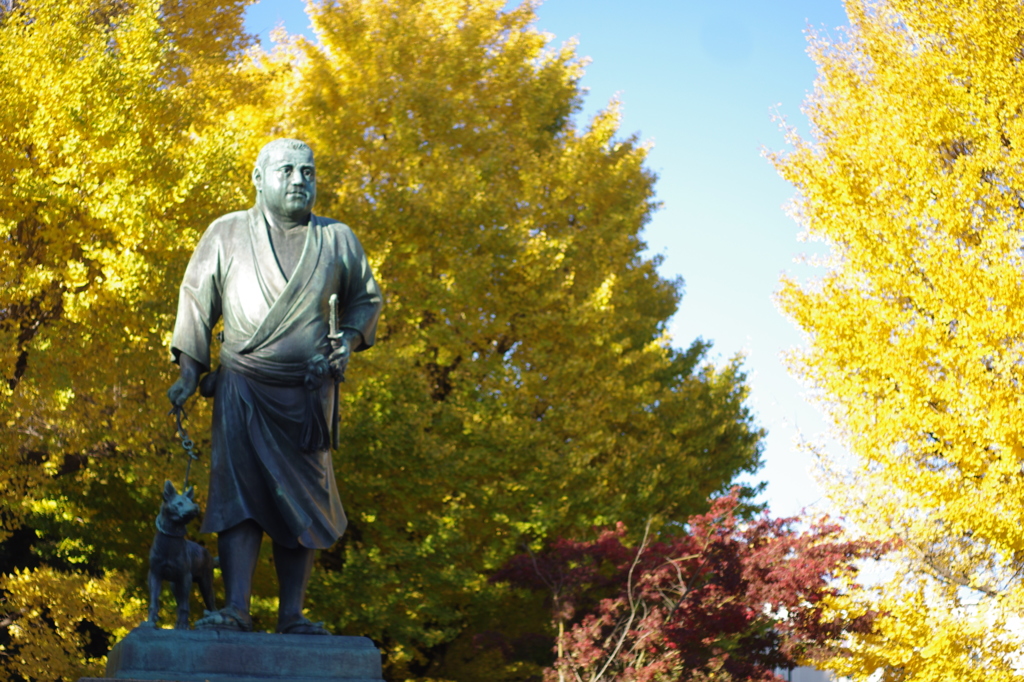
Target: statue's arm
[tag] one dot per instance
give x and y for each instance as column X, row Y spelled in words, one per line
column 361, row 302
column 362, row 299
column 199, row 308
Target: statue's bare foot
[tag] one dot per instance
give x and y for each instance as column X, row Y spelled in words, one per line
column 303, row 626
column 228, row 618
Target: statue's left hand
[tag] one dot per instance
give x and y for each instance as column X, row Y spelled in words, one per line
column 341, row 343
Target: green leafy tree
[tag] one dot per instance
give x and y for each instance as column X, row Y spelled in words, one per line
column 524, row 384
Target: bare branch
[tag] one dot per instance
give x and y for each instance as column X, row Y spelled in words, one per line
column 632, row 603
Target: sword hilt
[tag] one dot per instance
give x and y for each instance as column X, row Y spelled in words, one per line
column 334, row 313
column 333, row 303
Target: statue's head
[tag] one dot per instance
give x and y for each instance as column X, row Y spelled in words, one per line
column 285, row 179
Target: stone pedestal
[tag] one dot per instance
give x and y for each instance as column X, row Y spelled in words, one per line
column 221, row 656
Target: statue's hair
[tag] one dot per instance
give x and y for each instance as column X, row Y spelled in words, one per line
column 282, row 142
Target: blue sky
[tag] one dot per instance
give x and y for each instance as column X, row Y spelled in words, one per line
column 700, row 81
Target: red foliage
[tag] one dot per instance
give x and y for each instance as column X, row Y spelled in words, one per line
column 725, row 599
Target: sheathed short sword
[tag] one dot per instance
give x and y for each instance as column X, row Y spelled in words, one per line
column 334, row 410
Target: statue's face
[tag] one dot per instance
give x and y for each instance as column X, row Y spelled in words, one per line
column 287, row 183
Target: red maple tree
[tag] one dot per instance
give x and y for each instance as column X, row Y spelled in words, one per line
column 722, row 599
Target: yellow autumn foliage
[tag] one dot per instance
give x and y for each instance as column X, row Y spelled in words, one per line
column 64, row 620
column 111, row 130
column 913, row 178
column 107, row 165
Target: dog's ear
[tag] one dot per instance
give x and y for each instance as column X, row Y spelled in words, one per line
column 190, row 493
column 169, row 491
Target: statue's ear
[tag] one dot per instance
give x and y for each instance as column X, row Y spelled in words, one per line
column 169, row 491
column 257, row 178
column 190, row 492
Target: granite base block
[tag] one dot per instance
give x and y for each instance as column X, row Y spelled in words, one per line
column 156, row 655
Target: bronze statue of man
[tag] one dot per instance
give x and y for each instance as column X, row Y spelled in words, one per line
column 269, row 272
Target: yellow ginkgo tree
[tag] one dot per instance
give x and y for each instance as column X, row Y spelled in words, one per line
column 913, row 178
column 116, row 148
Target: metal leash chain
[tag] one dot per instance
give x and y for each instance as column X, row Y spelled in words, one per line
column 186, row 441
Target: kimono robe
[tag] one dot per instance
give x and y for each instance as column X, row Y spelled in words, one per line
column 271, row 459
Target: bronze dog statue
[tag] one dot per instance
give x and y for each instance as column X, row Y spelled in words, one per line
column 177, row 560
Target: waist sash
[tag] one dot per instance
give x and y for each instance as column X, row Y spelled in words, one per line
column 316, row 434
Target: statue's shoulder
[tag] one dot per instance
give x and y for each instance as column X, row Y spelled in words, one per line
column 230, row 221
column 332, row 225
column 227, row 226
column 338, row 231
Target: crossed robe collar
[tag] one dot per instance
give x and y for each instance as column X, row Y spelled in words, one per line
column 282, row 294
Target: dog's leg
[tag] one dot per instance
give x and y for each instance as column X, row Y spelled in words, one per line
column 154, row 598
column 204, row 576
column 182, row 589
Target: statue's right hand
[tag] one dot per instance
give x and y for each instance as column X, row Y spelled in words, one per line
column 182, row 389
column 187, row 381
